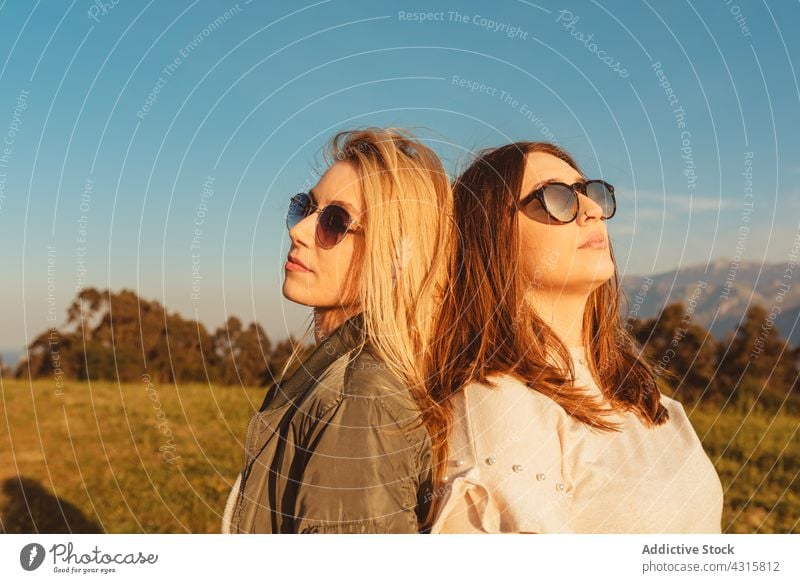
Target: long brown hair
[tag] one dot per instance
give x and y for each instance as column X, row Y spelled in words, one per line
column 484, row 328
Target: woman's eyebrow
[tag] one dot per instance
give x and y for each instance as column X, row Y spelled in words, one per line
column 543, row 182
column 347, row 205
column 342, row 203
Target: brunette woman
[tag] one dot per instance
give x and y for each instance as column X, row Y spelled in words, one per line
column 554, row 416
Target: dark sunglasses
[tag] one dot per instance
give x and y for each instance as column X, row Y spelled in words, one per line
column 333, row 224
column 560, row 200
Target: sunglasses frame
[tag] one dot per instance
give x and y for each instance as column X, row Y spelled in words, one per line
column 538, row 194
column 353, row 225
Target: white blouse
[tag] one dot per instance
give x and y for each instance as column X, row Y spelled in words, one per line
column 518, row 462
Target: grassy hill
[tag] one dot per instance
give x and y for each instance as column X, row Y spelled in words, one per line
column 143, row 457
column 119, row 459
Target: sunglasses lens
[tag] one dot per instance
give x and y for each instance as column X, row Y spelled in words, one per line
column 600, row 193
column 560, row 202
column 299, row 206
column 332, row 226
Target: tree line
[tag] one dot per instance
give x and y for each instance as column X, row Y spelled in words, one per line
column 119, row 336
column 751, row 363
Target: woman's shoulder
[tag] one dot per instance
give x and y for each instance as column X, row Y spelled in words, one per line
column 506, row 445
column 367, row 376
column 359, row 375
column 356, row 372
column 506, row 397
column 504, row 422
column 678, row 416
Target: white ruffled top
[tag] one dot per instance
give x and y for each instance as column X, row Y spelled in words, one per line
column 518, row 462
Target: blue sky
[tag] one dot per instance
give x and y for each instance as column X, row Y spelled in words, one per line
column 248, row 94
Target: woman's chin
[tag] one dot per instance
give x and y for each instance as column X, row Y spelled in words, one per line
column 604, row 269
column 589, row 278
column 296, row 291
column 598, row 277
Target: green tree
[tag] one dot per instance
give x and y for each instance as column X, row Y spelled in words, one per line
column 756, row 352
column 686, row 351
column 119, row 336
column 243, row 354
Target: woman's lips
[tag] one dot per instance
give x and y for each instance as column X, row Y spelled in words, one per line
column 294, row 264
column 594, row 243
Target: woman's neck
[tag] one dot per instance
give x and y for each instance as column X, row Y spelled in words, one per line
column 327, row 320
column 563, row 312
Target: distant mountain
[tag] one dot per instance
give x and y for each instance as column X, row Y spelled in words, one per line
column 729, row 290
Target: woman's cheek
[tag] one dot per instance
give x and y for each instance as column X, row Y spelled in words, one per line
column 533, row 268
column 342, row 272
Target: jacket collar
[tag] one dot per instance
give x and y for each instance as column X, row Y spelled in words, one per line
column 348, row 336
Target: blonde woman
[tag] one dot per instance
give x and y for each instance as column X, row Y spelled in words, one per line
column 554, row 420
column 340, row 446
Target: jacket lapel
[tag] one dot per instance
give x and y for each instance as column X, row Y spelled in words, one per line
column 345, row 338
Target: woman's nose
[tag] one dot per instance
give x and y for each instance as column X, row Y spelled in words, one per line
column 303, row 232
column 587, row 208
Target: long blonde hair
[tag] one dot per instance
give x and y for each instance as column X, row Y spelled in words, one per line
column 407, row 235
column 404, row 257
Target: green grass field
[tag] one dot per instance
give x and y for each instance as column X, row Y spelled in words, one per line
column 161, row 459
column 757, row 455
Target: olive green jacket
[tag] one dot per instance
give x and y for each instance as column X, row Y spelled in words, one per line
column 338, row 447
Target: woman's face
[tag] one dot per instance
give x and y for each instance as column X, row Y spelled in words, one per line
column 552, row 254
column 318, row 277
